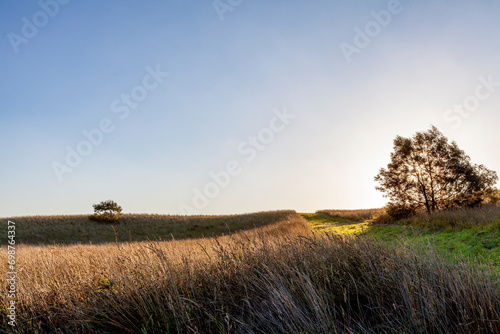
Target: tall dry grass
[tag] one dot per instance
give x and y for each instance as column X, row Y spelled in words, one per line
column 354, row 215
column 275, row 279
column 483, row 216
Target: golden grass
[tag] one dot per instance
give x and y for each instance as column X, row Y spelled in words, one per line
column 63, row 277
column 354, row 215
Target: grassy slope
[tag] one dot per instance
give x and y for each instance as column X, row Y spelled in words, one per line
column 133, row 227
column 121, row 287
column 472, row 234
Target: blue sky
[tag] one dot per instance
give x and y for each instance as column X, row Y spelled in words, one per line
column 322, row 121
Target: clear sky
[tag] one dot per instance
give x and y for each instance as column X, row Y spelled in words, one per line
column 236, row 105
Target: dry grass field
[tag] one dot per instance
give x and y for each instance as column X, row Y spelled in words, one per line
column 278, row 278
column 482, row 217
column 353, row 215
column 45, row 230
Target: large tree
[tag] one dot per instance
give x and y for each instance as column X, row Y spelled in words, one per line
column 427, row 172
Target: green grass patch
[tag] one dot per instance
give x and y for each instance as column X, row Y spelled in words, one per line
column 472, row 244
column 321, row 222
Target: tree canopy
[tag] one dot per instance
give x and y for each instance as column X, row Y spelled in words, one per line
column 106, row 211
column 427, row 172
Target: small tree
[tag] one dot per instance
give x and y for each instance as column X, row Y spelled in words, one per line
column 106, row 212
column 427, row 172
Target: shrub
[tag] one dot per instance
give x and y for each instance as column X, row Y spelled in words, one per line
column 491, row 197
column 398, row 212
column 384, row 219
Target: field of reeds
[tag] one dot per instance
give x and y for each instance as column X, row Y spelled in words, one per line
column 353, row 215
column 278, row 278
column 133, row 227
